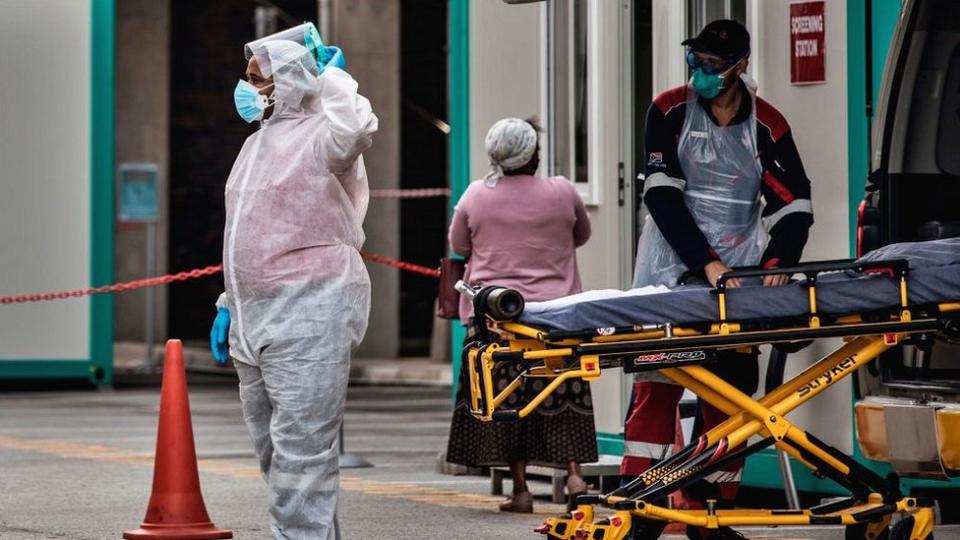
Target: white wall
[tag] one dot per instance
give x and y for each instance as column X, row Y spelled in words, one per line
column 817, row 115
column 504, row 70
column 45, row 178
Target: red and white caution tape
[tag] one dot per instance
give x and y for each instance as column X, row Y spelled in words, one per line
column 396, row 263
column 190, row 274
column 116, row 287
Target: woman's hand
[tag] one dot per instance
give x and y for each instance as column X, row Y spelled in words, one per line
column 716, row 269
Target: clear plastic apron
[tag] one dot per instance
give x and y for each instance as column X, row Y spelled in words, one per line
column 722, row 170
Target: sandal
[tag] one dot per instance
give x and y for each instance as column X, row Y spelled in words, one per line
column 575, row 487
column 520, row 503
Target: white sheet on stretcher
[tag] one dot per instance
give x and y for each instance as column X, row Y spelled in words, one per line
column 589, row 296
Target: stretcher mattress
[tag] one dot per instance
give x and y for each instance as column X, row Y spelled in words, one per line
column 934, row 277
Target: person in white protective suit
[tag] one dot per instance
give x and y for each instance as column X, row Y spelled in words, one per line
column 297, row 292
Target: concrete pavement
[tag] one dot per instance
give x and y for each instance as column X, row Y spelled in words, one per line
column 78, row 465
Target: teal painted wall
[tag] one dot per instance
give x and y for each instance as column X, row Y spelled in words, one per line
column 458, row 33
column 102, row 78
column 858, row 133
column 884, row 16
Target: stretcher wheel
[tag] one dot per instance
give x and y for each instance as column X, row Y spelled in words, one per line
column 902, row 530
column 859, row 532
column 550, row 536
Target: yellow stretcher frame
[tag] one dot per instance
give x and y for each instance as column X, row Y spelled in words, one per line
column 561, row 356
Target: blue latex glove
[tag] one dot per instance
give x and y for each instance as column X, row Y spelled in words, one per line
column 219, row 335
column 332, row 56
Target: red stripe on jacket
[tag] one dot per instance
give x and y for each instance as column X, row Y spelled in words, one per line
column 669, row 99
column 771, row 117
column 781, row 190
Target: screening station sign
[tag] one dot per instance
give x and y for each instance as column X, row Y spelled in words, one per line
column 807, row 43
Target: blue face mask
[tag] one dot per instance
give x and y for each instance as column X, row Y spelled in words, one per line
column 250, row 103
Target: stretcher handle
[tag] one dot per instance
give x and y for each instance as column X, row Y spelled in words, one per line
column 463, row 288
column 893, row 267
column 499, row 303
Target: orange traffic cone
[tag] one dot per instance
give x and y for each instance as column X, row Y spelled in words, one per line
column 176, row 509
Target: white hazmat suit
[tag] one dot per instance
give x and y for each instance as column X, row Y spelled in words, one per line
column 296, row 288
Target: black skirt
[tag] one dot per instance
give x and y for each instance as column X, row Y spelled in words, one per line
column 559, row 431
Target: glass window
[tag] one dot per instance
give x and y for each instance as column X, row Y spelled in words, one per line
column 931, row 85
column 948, row 134
column 580, row 90
column 701, row 12
column 567, row 97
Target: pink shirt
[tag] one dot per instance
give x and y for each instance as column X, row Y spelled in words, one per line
column 522, row 234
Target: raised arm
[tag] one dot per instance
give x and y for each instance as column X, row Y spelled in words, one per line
column 350, row 119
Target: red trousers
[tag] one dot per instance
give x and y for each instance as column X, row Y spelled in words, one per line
column 650, row 428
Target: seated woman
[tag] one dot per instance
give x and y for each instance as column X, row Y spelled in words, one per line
column 521, row 231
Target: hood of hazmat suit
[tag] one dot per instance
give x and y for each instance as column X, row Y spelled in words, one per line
column 722, row 169
column 296, row 287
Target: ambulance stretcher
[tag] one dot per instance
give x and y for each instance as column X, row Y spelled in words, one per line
column 890, row 297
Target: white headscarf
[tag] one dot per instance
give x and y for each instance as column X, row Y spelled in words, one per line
column 510, row 143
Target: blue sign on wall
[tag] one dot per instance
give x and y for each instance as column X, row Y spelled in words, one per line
column 137, row 192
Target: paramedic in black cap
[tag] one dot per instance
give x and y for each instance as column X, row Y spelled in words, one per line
column 724, row 187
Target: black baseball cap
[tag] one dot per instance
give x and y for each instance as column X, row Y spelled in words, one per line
column 725, row 38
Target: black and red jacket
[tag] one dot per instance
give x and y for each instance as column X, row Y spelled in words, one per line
column 785, row 188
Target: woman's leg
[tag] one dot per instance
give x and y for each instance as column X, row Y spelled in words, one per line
column 518, row 471
column 521, row 500
column 575, row 484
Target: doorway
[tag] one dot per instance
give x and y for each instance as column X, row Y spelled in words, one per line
column 637, row 64
column 423, row 163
